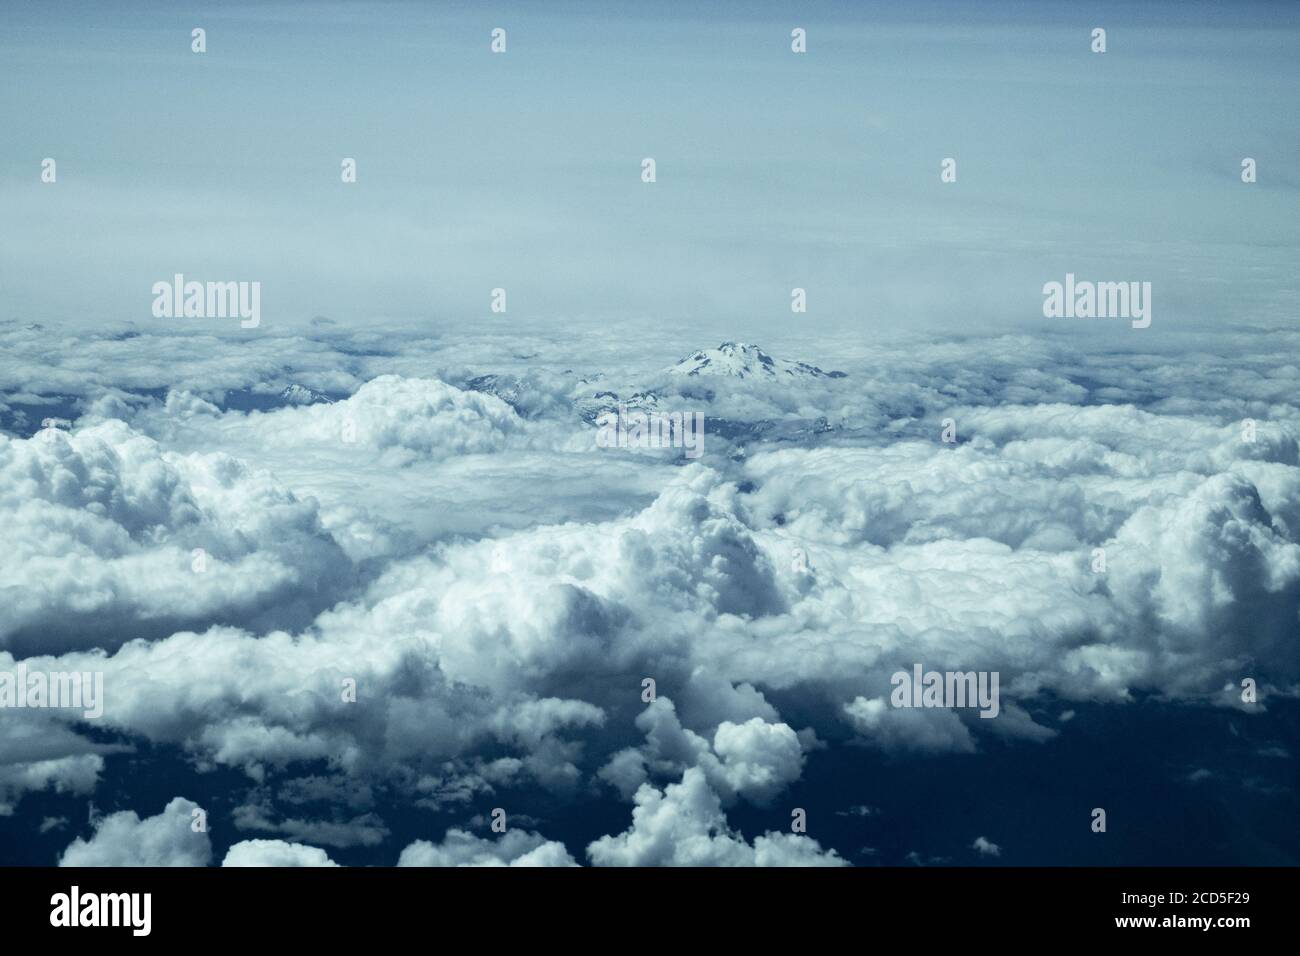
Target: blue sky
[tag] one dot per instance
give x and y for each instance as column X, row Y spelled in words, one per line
column 774, row 170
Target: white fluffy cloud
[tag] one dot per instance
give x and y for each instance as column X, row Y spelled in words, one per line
column 755, row 759
column 103, row 526
column 512, row 848
column 275, row 853
column 498, row 588
column 123, row 839
column 981, row 556
column 412, row 416
column 683, row 825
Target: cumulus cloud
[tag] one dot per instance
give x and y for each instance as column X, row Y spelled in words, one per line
column 275, row 853
column 512, row 848
column 448, row 536
column 408, row 415
column 446, row 661
column 975, row 558
column 913, row 728
column 110, row 537
column 755, row 759
column 683, row 825
column 123, row 839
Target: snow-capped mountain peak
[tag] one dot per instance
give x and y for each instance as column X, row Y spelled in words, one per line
column 739, row 360
column 296, row 394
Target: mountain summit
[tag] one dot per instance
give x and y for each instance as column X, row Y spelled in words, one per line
column 738, row 360
column 295, row 394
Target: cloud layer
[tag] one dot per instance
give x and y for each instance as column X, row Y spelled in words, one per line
column 308, row 597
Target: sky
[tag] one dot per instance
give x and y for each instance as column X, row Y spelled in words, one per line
column 361, row 576
column 774, row 171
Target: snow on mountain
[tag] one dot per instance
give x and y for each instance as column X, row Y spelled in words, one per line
column 296, row 394
column 591, row 408
column 505, row 387
column 738, row 360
